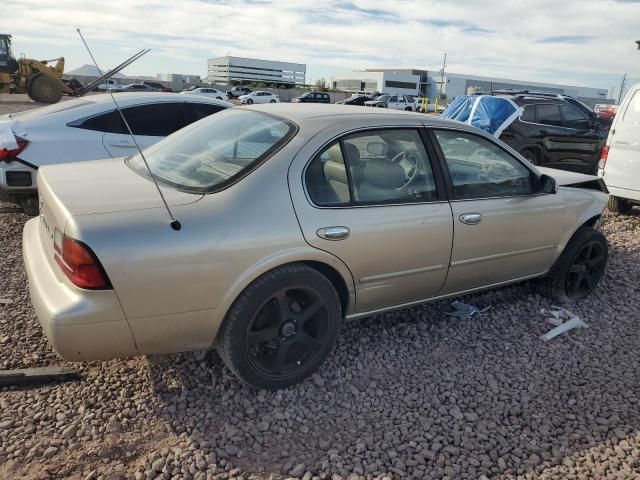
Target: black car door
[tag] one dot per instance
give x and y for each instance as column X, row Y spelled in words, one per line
column 586, row 139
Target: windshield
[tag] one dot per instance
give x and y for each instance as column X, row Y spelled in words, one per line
column 383, row 98
column 214, row 152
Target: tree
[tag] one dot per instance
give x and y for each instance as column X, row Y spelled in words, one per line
column 321, row 85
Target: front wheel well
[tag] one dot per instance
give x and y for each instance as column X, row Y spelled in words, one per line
column 335, row 278
column 593, row 221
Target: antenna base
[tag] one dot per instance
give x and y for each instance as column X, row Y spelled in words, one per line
column 176, row 225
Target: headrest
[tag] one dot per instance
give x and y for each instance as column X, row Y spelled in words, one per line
column 352, row 152
column 335, row 171
column 383, row 173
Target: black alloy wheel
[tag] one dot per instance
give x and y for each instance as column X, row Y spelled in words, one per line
column 586, row 269
column 287, row 331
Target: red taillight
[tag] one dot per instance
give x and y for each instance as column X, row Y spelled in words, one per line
column 13, row 153
column 80, row 265
column 603, row 156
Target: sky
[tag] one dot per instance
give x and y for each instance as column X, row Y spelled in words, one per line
column 579, row 42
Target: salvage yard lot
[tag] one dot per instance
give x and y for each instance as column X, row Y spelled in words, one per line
column 408, row 394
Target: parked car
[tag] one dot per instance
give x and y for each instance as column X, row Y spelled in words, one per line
column 278, row 244
column 237, row 92
column 109, row 84
column 620, row 159
column 87, row 128
column 206, row 91
column 135, row 87
column 605, row 120
column 359, row 101
column 260, row 96
column 395, row 102
column 552, row 132
column 157, row 85
column 312, row 97
column 362, row 94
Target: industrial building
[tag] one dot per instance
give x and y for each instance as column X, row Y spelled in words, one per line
column 227, row 69
column 178, row 81
column 420, row 82
column 399, row 82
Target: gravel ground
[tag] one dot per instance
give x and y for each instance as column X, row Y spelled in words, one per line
column 409, row 394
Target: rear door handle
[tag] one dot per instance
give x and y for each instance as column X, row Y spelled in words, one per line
column 122, row 144
column 333, row 233
column 471, row 218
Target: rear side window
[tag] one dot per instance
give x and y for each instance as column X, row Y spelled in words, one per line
column 198, row 111
column 529, row 114
column 372, row 168
column 157, row 120
column 632, row 113
column 549, row 114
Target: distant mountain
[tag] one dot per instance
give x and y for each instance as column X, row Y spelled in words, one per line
column 90, row 71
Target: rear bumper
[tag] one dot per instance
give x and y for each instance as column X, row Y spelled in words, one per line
column 627, row 193
column 79, row 324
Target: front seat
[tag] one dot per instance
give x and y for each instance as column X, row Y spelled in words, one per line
column 382, row 178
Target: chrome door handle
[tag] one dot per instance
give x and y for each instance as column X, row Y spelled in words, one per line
column 333, row 233
column 471, row 218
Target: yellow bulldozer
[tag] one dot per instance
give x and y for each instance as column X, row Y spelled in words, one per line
column 41, row 81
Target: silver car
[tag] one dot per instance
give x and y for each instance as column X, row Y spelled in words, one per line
column 292, row 220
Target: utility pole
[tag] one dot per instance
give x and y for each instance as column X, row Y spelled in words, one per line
column 444, row 64
column 624, row 80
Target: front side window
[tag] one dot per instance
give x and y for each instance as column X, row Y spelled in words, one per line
column 549, row 114
column 480, row 169
column 374, row 167
column 573, row 118
column 216, row 151
column 632, row 113
column 528, row 114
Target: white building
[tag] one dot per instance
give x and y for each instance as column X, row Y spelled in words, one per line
column 460, row 84
column 400, row 82
column 224, row 70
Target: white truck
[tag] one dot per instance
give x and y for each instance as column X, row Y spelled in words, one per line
column 111, row 83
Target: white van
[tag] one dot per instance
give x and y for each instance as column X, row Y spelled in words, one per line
column 620, row 159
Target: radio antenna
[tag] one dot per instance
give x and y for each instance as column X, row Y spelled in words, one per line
column 175, row 224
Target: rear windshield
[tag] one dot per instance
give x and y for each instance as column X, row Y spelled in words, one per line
column 216, row 151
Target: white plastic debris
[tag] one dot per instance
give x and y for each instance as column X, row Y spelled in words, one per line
column 563, row 319
column 464, row 310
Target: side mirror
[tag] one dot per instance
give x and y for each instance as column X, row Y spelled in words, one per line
column 547, row 184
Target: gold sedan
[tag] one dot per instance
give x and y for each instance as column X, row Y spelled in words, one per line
column 293, row 218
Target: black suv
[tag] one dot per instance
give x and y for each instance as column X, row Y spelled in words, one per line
column 553, row 132
column 312, row 97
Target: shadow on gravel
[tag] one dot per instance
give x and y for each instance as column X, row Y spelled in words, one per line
column 417, row 394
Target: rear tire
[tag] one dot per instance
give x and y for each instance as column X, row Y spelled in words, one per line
column 579, row 268
column 408, row 109
column 619, row 205
column 281, row 327
column 45, row 89
column 272, row 101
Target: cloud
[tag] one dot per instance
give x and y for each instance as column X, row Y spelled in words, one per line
column 502, row 39
column 567, row 39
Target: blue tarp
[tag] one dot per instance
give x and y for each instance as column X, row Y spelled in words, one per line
column 491, row 114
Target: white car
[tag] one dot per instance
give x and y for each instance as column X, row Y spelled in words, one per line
column 87, row 128
column 207, row 92
column 620, row 158
column 395, row 102
column 260, row 96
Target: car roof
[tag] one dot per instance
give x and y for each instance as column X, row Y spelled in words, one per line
column 131, row 98
column 300, row 113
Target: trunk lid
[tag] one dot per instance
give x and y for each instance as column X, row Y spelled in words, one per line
column 101, row 186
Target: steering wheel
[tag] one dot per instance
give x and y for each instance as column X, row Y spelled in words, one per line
column 410, row 172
